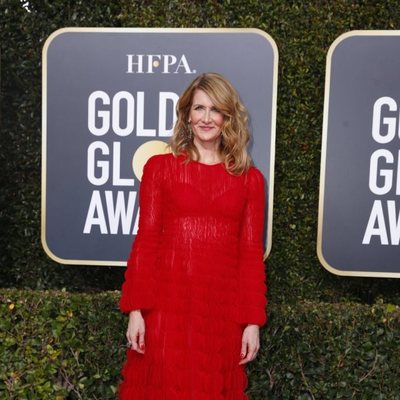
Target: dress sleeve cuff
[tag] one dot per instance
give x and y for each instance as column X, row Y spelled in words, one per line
column 135, row 299
column 251, row 315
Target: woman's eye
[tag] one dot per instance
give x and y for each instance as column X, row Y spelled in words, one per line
column 216, row 110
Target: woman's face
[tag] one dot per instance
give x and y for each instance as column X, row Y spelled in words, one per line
column 206, row 120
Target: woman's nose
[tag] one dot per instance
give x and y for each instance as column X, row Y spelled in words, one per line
column 206, row 115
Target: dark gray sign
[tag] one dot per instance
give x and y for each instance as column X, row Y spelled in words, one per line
column 359, row 219
column 109, row 99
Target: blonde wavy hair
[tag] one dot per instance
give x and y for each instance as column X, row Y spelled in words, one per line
column 235, row 131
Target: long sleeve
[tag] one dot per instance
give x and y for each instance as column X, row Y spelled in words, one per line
column 252, row 299
column 138, row 289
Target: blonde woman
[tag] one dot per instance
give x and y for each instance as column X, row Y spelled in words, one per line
column 195, row 285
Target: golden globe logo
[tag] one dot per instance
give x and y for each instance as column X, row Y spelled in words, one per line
column 115, row 211
column 150, row 63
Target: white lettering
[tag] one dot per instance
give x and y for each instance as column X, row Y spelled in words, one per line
column 95, row 207
column 183, row 64
column 376, row 217
column 390, row 122
column 116, row 113
column 165, row 98
column 138, row 64
column 120, row 213
column 147, row 63
column 386, row 174
column 153, row 60
column 123, row 123
column 141, row 131
column 169, row 60
column 104, row 116
column 102, row 165
column 117, row 180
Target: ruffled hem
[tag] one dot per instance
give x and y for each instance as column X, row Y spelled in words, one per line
column 197, row 359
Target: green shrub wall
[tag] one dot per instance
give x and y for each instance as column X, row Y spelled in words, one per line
column 57, row 345
column 303, row 31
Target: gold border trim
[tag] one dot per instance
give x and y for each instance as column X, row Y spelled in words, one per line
column 270, row 178
column 321, row 257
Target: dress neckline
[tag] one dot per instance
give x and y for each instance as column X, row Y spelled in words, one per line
column 184, row 156
column 207, row 165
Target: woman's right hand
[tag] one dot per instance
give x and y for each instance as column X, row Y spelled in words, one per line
column 135, row 332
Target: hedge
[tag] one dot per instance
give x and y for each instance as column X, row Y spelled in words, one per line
column 59, row 345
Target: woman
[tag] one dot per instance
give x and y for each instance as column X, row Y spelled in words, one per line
column 195, row 284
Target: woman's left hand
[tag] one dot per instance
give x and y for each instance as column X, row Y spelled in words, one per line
column 250, row 343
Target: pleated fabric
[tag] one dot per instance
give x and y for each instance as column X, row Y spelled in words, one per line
column 196, row 271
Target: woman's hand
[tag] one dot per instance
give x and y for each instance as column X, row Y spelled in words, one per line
column 135, row 332
column 250, row 343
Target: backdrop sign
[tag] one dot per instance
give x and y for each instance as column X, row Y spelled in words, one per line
column 359, row 211
column 109, row 98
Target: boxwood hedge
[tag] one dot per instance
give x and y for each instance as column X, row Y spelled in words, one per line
column 60, row 345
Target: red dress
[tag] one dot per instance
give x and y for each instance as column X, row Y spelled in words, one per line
column 196, row 271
